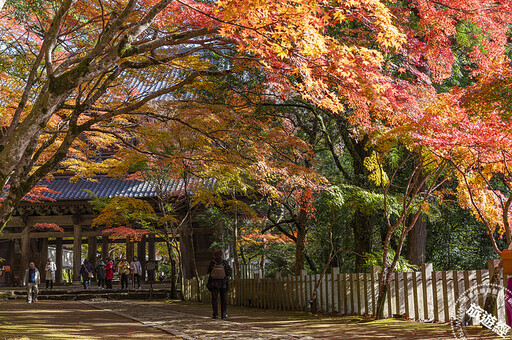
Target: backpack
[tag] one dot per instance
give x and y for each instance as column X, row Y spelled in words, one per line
column 218, row 271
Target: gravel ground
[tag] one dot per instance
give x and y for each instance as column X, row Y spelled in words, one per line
column 189, row 326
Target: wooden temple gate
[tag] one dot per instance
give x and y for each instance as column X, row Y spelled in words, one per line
column 20, row 243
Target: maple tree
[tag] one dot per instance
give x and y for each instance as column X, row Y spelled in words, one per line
column 470, row 129
column 125, row 217
column 236, row 152
column 47, row 226
column 428, row 174
column 90, row 64
column 437, row 23
column 254, row 243
column 133, row 218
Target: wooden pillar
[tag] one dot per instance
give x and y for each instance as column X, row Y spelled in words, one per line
column 151, row 254
column 77, row 251
column 43, row 256
column 186, row 255
column 92, row 249
column 105, row 247
column 12, row 255
column 58, row 260
column 34, row 251
column 25, row 248
column 141, row 255
column 129, row 250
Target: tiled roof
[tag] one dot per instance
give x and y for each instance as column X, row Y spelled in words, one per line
column 66, row 189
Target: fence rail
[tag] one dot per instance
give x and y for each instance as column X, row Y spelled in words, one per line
column 421, row 295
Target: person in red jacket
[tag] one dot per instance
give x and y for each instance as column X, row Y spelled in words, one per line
column 109, row 271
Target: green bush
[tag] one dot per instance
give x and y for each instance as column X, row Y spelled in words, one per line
column 375, row 259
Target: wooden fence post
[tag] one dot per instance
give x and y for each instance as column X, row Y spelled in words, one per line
column 352, row 294
column 398, row 310
column 345, row 294
column 405, row 276
column 311, row 279
column 304, row 289
column 334, row 275
column 278, row 289
column 491, row 264
column 415, row 296
column 426, row 275
column 366, row 293
column 256, row 291
column 375, row 285
column 340, row 310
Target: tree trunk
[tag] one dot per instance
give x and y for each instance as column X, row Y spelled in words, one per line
column 174, row 289
column 194, row 263
column 362, row 237
column 417, row 241
column 383, row 290
column 494, row 281
column 236, row 261
column 300, row 244
column 262, row 261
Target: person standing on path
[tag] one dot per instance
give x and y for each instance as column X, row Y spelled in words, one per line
column 218, row 283
column 32, row 280
column 51, row 268
column 101, row 275
column 87, row 273
column 109, row 272
column 136, row 269
column 124, row 269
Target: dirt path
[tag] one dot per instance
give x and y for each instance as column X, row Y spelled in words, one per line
column 102, row 319
column 186, row 325
column 69, row 320
column 192, row 321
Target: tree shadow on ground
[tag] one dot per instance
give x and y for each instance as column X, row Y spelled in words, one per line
column 68, row 320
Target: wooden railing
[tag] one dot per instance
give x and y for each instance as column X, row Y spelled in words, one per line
column 422, row 295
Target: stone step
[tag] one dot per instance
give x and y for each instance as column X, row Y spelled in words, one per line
column 83, row 291
column 61, row 294
column 106, row 296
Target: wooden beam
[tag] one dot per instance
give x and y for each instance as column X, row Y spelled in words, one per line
column 60, row 220
column 84, row 241
column 50, row 234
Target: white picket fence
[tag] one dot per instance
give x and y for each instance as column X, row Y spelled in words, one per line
column 421, row 295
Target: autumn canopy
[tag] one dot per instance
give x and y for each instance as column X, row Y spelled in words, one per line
column 252, row 93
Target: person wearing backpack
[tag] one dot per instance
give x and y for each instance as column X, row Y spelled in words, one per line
column 218, row 283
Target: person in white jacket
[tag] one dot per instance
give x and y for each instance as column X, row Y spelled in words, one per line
column 51, row 268
column 31, row 281
column 136, row 269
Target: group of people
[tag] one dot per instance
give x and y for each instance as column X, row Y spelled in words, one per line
column 218, row 282
column 104, row 272
column 32, row 279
